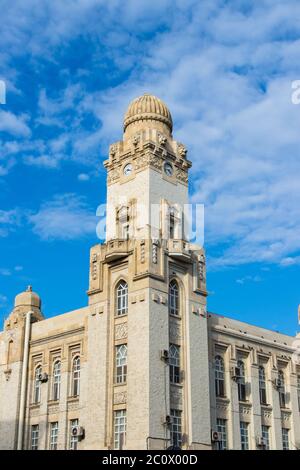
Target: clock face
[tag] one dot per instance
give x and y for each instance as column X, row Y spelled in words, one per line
column 168, row 169
column 127, row 169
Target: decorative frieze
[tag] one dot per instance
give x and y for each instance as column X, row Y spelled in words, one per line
column 176, row 396
column 121, row 331
column 175, row 331
column 120, row 397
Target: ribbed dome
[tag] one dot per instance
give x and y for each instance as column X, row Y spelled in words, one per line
column 148, row 107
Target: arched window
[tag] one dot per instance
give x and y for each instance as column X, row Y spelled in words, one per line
column 219, row 376
column 174, row 363
column 173, row 298
column 122, row 298
column 56, row 380
column 281, row 388
column 37, row 384
column 76, row 376
column 121, row 363
column 241, row 381
column 262, row 385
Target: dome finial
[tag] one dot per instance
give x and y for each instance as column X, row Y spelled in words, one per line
column 148, row 108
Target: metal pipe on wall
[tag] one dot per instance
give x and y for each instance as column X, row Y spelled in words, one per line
column 24, row 381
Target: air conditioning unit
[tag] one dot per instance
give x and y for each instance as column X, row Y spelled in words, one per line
column 235, row 373
column 77, row 431
column 168, row 420
column 277, row 384
column 260, row 441
column 43, row 377
column 215, row 436
column 164, row 355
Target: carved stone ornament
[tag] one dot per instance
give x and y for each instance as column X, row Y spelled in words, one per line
column 162, row 140
column 182, row 151
column 120, row 397
column 121, row 331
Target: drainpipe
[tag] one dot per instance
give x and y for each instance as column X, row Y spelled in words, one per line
column 24, row 381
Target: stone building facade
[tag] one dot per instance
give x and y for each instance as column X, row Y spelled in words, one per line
column 144, row 365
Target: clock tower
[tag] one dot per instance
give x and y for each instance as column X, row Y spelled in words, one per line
column 148, row 292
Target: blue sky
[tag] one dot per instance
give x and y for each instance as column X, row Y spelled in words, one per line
column 224, row 68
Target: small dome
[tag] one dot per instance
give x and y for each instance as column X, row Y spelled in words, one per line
column 28, row 299
column 148, row 107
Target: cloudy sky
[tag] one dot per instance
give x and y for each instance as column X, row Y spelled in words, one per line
column 225, row 69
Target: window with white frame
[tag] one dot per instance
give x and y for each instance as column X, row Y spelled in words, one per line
column 281, row 389
column 174, row 363
column 241, row 381
column 56, row 380
column 53, row 435
column 122, row 298
column 265, row 434
column 219, row 376
column 222, row 430
column 244, row 435
column 121, row 363
column 285, row 439
column 176, row 428
column 76, row 376
column 262, row 385
column 37, row 384
column 173, row 297
column 119, row 429
column 73, row 438
column 34, row 437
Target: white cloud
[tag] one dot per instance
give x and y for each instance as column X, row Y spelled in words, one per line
column 83, row 177
column 65, row 217
column 9, row 221
column 225, row 70
column 18, row 268
column 3, row 300
column 15, row 125
column 5, row 272
column 43, row 161
column 248, row 279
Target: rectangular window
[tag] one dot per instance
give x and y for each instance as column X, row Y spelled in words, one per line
column 176, row 428
column 172, row 227
column 266, row 437
column 285, row 439
column 121, row 363
column 174, row 363
column 35, row 437
column 222, row 430
column 125, row 231
column 73, row 438
column 244, row 435
column 53, row 435
column 119, row 429
column 262, row 386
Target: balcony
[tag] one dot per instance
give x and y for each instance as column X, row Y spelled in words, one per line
column 116, row 249
column 179, row 249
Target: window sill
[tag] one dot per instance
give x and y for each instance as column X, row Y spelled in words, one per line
column 53, row 402
column 73, row 398
column 120, row 384
column 180, row 385
column 121, row 315
column 34, row 405
column 266, row 405
column 172, row 315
